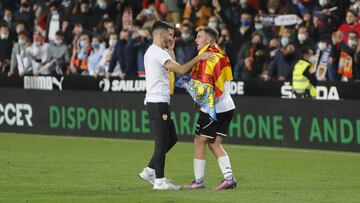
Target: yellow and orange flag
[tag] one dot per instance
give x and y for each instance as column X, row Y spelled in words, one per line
column 208, row 77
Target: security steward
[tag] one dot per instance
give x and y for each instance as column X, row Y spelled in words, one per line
column 303, row 80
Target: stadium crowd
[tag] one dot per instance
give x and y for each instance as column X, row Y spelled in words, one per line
column 262, row 38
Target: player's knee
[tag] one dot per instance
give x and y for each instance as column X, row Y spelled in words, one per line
column 213, row 146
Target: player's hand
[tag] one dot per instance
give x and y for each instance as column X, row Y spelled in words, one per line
column 207, row 56
column 171, row 44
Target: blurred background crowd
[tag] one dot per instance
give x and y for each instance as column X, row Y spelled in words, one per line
column 102, row 37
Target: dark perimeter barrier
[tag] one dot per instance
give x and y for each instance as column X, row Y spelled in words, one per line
column 84, row 106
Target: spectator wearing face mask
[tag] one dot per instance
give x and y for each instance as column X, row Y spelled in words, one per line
column 6, row 45
column 349, row 61
column 281, row 62
column 267, row 32
column 136, row 49
column 39, row 54
column 214, row 22
column 226, row 43
column 329, row 19
column 95, row 56
column 303, row 79
column 231, row 11
column 81, row 51
column 59, row 56
column 76, row 32
column 54, row 21
column 302, row 40
column 102, row 7
column 104, row 64
column 19, row 62
column 119, row 56
column 336, row 41
column 84, row 15
column 323, row 61
column 244, row 32
column 109, row 28
column 19, row 27
column 351, row 25
column 8, row 20
column 185, row 48
column 25, row 14
column 356, row 8
column 308, row 22
column 251, row 59
column 286, row 36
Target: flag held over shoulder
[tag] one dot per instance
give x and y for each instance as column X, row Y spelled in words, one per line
column 206, row 84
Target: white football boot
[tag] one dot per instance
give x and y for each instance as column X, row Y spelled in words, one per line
column 166, row 185
column 147, row 176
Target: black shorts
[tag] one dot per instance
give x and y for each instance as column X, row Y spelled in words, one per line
column 208, row 127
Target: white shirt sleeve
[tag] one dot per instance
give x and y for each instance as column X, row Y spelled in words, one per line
column 164, row 56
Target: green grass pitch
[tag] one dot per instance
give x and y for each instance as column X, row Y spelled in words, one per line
column 37, row 168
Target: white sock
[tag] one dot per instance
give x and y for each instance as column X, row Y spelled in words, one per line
column 150, row 170
column 199, row 169
column 158, row 181
column 225, row 167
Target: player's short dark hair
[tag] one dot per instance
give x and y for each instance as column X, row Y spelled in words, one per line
column 161, row 25
column 209, row 31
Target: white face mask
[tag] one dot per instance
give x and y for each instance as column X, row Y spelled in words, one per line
column 57, row 42
column 323, row 2
column 301, row 37
column 213, row 25
column 110, row 30
column 102, row 5
column 37, row 44
column 352, row 43
column 4, row 36
column 243, row 2
column 7, row 18
column 357, row 5
column 18, row 30
column 54, row 12
column 284, row 41
column 21, row 41
column 322, row 46
column 185, row 36
column 258, row 26
column 112, row 42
